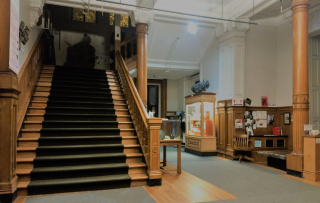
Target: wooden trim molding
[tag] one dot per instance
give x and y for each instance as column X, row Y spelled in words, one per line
column 28, row 77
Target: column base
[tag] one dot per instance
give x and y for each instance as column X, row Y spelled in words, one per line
column 8, row 197
column 313, row 176
column 295, row 162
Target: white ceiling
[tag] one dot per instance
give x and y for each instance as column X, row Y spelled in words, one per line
column 275, row 9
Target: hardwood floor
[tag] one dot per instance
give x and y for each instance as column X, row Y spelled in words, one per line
column 185, row 188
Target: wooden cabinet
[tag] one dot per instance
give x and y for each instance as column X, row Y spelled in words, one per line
column 227, row 114
column 200, row 124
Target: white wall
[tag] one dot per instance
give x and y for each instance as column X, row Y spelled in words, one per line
column 284, row 64
column 24, row 15
column 210, row 68
column 261, row 64
column 181, row 95
column 73, row 38
column 172, row 95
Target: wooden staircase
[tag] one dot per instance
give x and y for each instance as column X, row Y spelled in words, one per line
column 35, row 125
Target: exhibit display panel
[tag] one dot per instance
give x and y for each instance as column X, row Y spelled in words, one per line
column 200, row 134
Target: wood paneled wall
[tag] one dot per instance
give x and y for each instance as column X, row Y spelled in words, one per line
column 28, row 77
column 226, row 124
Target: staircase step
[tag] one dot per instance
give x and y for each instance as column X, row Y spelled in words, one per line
column 69, row 140
column 76, row 104
column 58, row 172
column 49, row 84
column 77, row 110
column 78, row 98
column 78, row 184
column 92, row 97
column 84, row 78
column 24, row 152
column 62, row 92
column 82, row 88
column 74, row 160
column 75, row 124
column 29, row 133
column 77, row 117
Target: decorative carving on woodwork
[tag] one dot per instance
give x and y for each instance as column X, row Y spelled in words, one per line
column 231, row 26
column 206, row 98
column 299, row 2
column 139, row 16
column 36, row 10
column 301, row 99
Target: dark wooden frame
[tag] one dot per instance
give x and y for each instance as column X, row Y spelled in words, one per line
column 284, row 118
column 163, row 92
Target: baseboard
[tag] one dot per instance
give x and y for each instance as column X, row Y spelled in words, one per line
column 201, row 153
column 154, row 182
column 294, row 173
column 8, row 197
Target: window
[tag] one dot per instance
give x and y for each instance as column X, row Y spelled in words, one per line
column 79, row 15
column 124, row 20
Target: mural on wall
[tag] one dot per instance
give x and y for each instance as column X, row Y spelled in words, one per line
column 23, row 34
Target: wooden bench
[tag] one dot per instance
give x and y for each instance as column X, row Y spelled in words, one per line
column 276, row 159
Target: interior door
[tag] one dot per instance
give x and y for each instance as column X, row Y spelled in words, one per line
column 153, row 100
column 314, row 80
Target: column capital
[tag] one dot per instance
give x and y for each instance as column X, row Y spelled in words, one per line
column 140, row 16
column 299, row 2
column 228, row 27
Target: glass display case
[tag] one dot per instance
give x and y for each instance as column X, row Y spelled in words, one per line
column 200, row 129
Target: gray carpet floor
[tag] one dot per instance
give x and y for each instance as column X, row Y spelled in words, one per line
column 250, row 183
column 130, row 195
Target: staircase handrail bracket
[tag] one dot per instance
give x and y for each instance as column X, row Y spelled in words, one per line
column 147, row 129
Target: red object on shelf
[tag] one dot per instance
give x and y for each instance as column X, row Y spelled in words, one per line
column 264, row 101
column 276, row 131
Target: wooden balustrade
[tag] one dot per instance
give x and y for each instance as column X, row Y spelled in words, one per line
column 147, row 129
column 125, row 52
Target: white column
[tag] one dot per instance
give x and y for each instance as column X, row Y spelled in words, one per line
column 231, row 59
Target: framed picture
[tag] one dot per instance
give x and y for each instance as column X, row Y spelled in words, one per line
column 287, row 118
column 264, row 101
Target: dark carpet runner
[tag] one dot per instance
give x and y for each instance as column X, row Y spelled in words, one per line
column 80, row 147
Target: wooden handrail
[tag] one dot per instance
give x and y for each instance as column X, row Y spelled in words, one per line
column 147, row 129
column 128, row 40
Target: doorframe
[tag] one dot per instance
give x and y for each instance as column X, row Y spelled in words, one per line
column 159, row 96
column 162, row 96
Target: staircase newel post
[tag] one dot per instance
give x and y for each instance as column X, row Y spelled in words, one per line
column 9, row 96
column 153, row 139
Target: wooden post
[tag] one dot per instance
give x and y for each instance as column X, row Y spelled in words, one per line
column 300, row 82
column 311, row 158
column 142, row 78
column 8, row 111
column 154, row 173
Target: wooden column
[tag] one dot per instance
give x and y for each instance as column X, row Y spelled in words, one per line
column 300, row 81
column 142, row 78
column 8, row 111
column 154, row 173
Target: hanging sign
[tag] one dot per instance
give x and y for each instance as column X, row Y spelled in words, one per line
column 14, row 38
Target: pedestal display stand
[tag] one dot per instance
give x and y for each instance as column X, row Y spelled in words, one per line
column 200, row 124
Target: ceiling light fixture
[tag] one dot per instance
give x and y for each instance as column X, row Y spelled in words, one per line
column 192, row 28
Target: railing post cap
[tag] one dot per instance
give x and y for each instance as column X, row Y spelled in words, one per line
column 154, row 120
